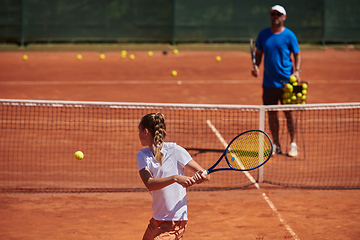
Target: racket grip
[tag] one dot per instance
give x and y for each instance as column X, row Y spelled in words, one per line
column 204, row 173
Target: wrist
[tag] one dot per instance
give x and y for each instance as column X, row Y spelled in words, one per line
column 298, row 70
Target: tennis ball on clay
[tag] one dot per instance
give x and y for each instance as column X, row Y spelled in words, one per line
column 132, row 56
column 174, row 73
column 25, row 57
column 293, row 79
column 176, row 51
column 150, row 53
column 102, row 56
column 79, row 56
column 218, row 58
column 123, row 52
column 79, row 155
column 304, row 86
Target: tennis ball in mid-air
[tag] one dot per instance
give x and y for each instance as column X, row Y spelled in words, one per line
column 293, row 79
column 218, row 58
column 174, row 73
column 132, row 56
column 79, row 56
column 25, row 57
column 79, row 155
column 175, row 51
column 150, row 53
column 102, row 56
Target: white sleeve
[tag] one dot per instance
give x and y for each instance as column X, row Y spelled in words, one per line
column 141, row 161
column 182, row 156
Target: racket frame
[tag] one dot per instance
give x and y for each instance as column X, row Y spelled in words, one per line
column 212, row 168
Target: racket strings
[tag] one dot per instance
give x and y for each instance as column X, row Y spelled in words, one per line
column 249, row 150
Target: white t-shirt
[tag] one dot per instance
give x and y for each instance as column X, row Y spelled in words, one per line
column 169, row 203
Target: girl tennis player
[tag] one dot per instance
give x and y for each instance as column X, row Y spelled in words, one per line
column 161, row 168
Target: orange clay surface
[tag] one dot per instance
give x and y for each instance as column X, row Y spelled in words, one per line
column 239, row 214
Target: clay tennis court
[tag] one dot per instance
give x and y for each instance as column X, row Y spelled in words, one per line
column 237, row 214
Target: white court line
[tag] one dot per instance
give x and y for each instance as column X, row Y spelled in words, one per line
column 162, row 82
column 130, row 82
column 266, row 198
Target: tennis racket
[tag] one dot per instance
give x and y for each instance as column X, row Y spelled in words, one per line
column 247, row 151
column 252, row 51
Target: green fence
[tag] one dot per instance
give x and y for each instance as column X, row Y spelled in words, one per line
column 25, row 21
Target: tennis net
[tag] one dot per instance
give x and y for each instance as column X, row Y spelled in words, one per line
column 38, row 140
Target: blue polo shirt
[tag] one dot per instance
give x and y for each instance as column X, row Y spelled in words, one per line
column 277, row 50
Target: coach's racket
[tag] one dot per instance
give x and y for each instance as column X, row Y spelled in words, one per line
column 247, row 151
column 252, row 51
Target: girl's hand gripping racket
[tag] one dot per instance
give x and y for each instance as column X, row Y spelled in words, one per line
column 247, row 151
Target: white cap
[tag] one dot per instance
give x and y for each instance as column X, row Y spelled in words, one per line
column 279, row 8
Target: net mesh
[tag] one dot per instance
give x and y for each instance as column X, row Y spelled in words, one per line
column 38, row 140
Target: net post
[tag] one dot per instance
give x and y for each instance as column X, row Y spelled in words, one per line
column 261, row 127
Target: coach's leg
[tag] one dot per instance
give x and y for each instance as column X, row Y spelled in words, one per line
column 291, row 125
column 274, row 126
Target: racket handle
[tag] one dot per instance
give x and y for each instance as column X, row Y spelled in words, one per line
column 204, row 173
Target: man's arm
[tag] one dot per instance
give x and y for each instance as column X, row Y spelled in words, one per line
column 297, row 64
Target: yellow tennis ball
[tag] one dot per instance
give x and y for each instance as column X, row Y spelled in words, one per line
column 132, row 56
column 123, row 52
column 299, row 95
column 123, row 55
column 293, row 79
column 25, row 57
column 289, row 88
column 102, row 56
column 218, row 58
column 150, row 53
column 176, row 51
column 304, row 92
column 79, row 56
column 79, row 155
column 174, row 73
column 304, row 86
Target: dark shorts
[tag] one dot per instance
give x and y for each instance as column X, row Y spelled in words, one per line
column 272, row 96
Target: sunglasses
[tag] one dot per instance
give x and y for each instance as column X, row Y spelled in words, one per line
column 273, row 14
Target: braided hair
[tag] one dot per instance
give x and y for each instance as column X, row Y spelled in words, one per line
column 155, row 123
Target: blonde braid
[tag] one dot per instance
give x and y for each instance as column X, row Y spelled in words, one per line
column 159, row 135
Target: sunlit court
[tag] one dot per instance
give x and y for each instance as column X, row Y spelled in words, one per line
column 59, row 97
